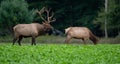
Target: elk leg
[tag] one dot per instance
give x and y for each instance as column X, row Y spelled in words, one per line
column 68, row 39
column 14, row 40
column 20, row 39
column 84, row 40
column 33, row 41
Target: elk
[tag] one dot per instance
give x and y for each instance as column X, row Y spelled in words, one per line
column 80, row 33
column 34, row 29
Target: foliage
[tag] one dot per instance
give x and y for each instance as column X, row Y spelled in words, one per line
column 114, row 17
column 60, row 54
column 100, row 21
column 113, row 14
column 70, row 12
column 13, row 12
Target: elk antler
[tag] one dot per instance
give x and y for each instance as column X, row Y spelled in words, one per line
column 49, row 18
column 40, row 13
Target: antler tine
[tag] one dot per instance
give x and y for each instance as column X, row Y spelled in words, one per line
column 50, row 18
column 40, row 13
column 42, row 10
column 52, row 15
column 47, row 10
column 54, row 19
column 48, row 14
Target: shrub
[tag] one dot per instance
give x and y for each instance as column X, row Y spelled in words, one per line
column 13, row 12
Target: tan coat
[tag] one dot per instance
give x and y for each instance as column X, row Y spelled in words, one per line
column 28, row 29
column 80, row 33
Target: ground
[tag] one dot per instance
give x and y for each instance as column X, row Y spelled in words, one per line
column 53, row 50
column 60, row 54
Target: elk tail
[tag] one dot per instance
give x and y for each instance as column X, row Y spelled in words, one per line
column 93, row 38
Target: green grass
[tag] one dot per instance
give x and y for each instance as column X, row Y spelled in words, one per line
column 60, row 54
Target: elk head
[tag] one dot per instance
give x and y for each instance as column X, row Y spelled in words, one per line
column 48, row 19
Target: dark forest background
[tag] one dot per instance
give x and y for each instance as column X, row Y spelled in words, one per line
column 87, row 13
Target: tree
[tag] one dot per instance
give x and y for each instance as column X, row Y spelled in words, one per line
column 113, row 18
column 106, row 11
column 13, row 12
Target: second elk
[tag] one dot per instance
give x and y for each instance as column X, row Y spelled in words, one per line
column 80, row 33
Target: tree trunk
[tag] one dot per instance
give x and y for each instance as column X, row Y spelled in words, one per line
column 106, row 33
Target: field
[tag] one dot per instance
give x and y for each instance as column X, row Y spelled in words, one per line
column 54, row 53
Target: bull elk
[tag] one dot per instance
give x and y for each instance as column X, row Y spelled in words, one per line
column 34, row 29
column 80, row 33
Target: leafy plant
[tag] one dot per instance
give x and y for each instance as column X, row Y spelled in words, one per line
column 13, row 12
column 60, row 54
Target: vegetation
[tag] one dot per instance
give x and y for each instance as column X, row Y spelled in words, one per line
column 13, row 12
column 113, row 24
column 60, row 54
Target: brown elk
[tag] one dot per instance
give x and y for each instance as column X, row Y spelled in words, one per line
column 80, row 33
column 34, row 29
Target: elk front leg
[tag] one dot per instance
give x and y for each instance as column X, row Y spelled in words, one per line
column 84, row 40
column 14, row 39
column 33, row 41
column 20, row 39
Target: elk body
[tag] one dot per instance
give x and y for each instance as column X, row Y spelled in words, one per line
column 34, row 29
column 80, row 33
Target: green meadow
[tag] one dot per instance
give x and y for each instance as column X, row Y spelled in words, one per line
column 60, row 54
column 53, row 50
